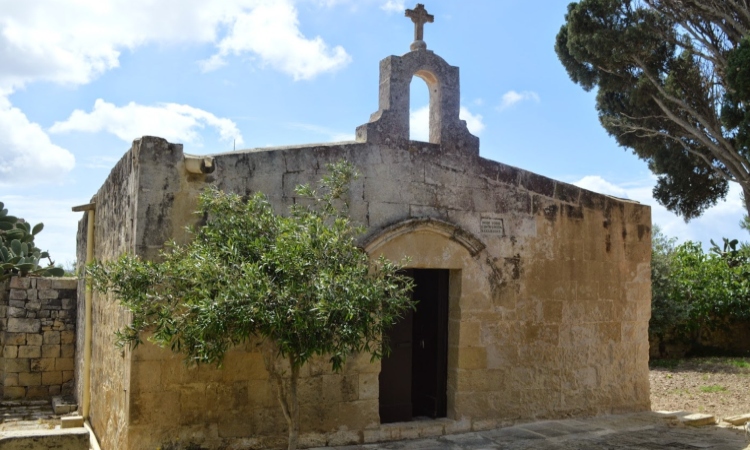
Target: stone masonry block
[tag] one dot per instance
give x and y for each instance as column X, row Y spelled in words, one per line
column 471, row 358
column 29, row 351
column 64, row 364
column 67, row 350
column 14, row 392
column 32, row 294
column 10, row 351
column 15, row 338
column 57, row 283
column 14, row 311
column 45, row 283
column 67, row 337
column 10, row 379
column 37, row 392
column 17, row 294
column 42, row 365
column 29, row 379
column 51, row 337
column 16, row 365
column 17, row 325
column 51, row 351
column 48, row 294
column 34, row 339
column 368, row 386
column 49, row 378
column 33, row 305
column 17, row 303
column 20, row 283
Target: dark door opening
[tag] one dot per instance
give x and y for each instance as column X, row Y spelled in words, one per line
column 413, row 377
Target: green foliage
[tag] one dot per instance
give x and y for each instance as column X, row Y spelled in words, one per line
column 665, row 312
column 299, row 282
column 714, row 287
column 672, row 85
column 18, row 254
column 693, row 291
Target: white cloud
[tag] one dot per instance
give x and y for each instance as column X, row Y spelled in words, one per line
column 26, row 153
column 331, row 135
column 598, row 184
column 74, row 42
column 511, row 98
column 720, row 221
column 393, row 6
column 271, row 31
column 419, row 123
column 473, row 121
column 171, row 121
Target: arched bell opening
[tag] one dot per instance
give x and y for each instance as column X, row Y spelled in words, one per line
column 424, row 108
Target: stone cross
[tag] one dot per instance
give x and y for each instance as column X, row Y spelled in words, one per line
column 420, row 17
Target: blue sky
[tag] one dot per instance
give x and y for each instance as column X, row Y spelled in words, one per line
column 80, row 79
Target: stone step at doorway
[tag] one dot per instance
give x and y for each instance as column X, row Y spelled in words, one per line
column 27, row 415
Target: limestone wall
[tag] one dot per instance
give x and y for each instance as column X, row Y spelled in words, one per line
column 37, row 334
column 114, row 234
column 549, row 301
column 4, row 292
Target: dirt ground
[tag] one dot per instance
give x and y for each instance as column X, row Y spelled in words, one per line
column 718, row 386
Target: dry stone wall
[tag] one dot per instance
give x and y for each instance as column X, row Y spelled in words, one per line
column 38, row 317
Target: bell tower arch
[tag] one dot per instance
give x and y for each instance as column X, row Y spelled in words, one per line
column 390, row 124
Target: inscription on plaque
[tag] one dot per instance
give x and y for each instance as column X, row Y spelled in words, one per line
column 492, row 226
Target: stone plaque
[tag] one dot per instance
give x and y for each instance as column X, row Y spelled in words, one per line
column 492, row 226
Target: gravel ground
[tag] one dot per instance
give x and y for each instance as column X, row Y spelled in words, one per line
column 718, row 386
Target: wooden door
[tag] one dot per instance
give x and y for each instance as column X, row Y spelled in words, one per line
column 413, row 378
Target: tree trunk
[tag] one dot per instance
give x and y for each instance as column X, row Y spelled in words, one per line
column 286, row 389
column 293, row 402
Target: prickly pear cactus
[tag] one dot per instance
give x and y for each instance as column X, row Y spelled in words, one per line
column 18, row 254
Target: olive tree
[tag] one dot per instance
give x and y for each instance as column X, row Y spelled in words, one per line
column 298, row 283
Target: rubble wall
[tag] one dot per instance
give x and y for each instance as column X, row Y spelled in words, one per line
column 38, row 317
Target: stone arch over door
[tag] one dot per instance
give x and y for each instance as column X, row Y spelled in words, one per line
column 390, row 124
column 435, row 244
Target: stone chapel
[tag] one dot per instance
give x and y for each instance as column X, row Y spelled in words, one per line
column 534, row 295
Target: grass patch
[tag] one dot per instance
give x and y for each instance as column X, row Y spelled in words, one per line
column 711, row 389
column 739, row 363
column 670, row 364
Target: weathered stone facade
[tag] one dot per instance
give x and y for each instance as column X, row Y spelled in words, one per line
column 549, row 284
column 37, row 333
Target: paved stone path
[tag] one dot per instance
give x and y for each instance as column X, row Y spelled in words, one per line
column 633, row 431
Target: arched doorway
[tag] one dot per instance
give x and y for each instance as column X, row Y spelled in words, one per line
column 417, row 380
